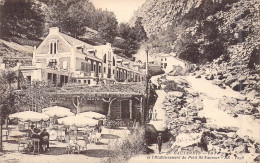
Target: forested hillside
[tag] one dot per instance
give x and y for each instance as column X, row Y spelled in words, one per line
column 27, row 22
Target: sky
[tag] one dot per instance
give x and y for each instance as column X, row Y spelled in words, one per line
column 123, row 9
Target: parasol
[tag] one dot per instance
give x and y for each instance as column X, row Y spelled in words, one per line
column 78, row 121
column 93, row 115
column 29, row 116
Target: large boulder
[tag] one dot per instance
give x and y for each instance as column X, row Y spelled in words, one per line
column 175, row 94
column 229, row 81
column 238, row 86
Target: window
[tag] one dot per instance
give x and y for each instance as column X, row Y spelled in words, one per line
column 49, row 76
column 28, row 78
column 85, row 81
column 79, row 81
column 52, row 62
column 53, row 47
column 161, row 65
column 105, row 58
column 114, row 61
column 54, row 78
column 165, row 65
column 82, row 66
column 161, row 59
column 113, row 71
column 104, row 70
column 99, row 69
column 88, row 81
column 66, row 79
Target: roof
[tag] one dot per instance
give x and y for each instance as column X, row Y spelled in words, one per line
column 72, row 41
column 108, row 90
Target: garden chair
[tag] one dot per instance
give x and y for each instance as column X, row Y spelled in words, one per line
column 93, row 137
column 81, row 145
column 22, row 142
column 98, row 137
column 70, row 148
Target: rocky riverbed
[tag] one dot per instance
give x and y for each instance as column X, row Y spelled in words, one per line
column 205, row 118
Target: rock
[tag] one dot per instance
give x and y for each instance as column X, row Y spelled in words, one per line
column 227, row 129
column 254, row 102
column 175, row 94
column 240, row 149
column 220, row 77
column 228, row 100
column 257, row 159
column 242, row 79
column 237, row 86
column 230, row 81
column 210, row 77
column 252, row 95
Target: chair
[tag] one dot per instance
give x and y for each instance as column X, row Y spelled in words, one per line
column 36, row 145
column 22, row 143
column 70, row 148
column 82, row 145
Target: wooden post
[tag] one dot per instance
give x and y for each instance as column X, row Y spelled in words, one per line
column 131, row 109
column 120, row 108
column 142, row 110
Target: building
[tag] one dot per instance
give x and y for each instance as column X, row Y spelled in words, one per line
column 61, row 58
column 169, row 61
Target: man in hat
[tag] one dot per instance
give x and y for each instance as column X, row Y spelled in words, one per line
column 159, row 142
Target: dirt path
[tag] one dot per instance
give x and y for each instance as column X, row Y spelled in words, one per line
column 160, row 123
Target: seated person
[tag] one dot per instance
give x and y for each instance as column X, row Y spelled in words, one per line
column 34, row 132
column 44, row 138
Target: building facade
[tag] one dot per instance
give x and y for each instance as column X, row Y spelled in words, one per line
column 61, row 58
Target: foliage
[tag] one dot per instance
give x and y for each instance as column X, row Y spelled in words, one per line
column 131, row 37
column 21, row 18
column 111, row 124
column 172, row 86
column 7, row 97
column 129, row 146
column 254, row 58
column 35, row 96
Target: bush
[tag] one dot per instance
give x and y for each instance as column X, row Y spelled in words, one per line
column 111, row 124
column 172, row 86
column 129, row 146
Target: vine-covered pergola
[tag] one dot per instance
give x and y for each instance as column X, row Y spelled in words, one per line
column 113, row 94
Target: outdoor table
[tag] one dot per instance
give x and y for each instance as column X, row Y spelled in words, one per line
column 17, row 134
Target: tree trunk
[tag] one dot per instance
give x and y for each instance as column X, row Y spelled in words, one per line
column 1, row 133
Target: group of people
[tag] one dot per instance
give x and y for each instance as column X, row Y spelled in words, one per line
column 152, row 115
column 43, row 136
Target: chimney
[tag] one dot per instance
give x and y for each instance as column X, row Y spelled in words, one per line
column 54, row 30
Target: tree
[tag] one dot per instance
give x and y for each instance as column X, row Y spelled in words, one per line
column 22, row 18
column 139, row 30
column 7, row 97
column 107, row 27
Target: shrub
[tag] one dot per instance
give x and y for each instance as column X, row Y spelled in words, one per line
column 111, row 124
column 129, row 146
column 172, row 86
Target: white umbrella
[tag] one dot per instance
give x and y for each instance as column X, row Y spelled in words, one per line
column 29, row 116
column 58, row 113
column 78, row 121
column 56, row 108
column 91, row 114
